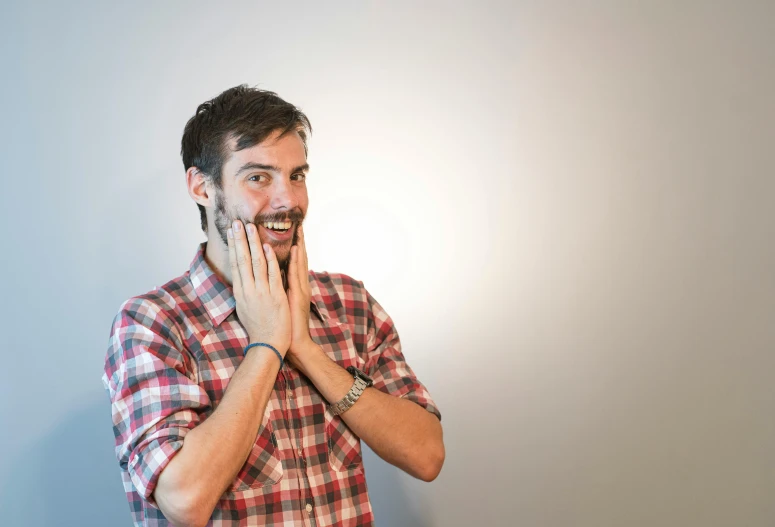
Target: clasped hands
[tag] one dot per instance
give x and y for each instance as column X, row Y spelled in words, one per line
column 269, row 313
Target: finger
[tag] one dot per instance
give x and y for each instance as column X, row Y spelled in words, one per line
column 244, row 264
column 236, row 283
column 272, row 270
column 258, row 260
column 303, row 263
column 293, row 282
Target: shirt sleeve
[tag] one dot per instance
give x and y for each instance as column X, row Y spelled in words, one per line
column 386, row 364
column 155, row 400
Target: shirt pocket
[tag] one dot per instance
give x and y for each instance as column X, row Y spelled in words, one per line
column 344, row 447
column 263, row 466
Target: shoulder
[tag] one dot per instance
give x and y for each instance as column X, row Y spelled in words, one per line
column 148, row 321
column 339, row 287
column 340, row 295
column 155, row 310
column 145, row 332
column 339, row 283
column 163, row 307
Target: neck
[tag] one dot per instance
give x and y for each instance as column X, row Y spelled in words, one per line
column 217, row 257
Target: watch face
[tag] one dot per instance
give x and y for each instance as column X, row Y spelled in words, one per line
column 355, row 372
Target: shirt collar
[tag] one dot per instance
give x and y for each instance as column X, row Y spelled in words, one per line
column 217, row 296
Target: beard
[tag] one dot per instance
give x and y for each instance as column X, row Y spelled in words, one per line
column 224, row 218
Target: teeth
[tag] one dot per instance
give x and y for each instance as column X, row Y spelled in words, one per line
column 277, row 225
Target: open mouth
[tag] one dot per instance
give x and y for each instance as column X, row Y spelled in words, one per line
column 278, row 230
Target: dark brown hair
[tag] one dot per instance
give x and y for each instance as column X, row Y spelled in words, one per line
column 246, row 114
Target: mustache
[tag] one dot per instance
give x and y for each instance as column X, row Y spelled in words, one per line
column 295, row 217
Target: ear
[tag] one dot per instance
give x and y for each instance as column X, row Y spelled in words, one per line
column 199, row 187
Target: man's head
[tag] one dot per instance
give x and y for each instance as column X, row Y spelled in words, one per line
column 245, row 154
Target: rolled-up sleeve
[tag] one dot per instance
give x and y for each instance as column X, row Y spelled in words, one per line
column 155, row 400
column 386, row 364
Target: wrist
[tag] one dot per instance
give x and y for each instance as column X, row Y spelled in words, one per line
column 361, row 382
column 303, row 355
column 266, row 346
column 282, row 349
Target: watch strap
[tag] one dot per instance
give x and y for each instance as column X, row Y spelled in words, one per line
column 357, row 389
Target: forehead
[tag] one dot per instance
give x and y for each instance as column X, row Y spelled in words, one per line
column 284, row 152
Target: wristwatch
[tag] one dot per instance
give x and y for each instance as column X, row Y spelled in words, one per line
column 362, row 381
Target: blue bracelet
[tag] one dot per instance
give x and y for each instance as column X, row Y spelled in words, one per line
column 268, row 346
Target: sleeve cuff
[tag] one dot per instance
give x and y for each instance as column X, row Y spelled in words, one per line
column 422, row 401
column 151, row 457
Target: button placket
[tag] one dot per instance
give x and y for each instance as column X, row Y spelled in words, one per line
column 299, row 447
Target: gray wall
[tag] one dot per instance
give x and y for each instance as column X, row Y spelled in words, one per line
column 566, row 208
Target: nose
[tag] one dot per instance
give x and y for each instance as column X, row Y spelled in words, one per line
column 283, row 195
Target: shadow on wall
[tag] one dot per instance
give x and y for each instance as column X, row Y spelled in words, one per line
column 68, row 478
column 71, row 478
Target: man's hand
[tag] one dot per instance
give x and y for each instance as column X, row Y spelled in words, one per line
column 298, row 300
column 262, row 306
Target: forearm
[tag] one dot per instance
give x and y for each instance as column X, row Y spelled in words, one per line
column 213, row 452
column 401, row 432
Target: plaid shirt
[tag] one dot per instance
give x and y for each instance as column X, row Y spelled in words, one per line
column 172, row 352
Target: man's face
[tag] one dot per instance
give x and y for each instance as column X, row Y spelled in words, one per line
column 265, row 183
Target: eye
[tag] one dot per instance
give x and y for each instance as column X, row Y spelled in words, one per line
column 301, row 175
column 253, row 178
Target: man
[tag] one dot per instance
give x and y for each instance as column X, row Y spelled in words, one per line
column 240, row 390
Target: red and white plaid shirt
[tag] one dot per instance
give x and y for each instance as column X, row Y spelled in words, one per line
column 172, row 353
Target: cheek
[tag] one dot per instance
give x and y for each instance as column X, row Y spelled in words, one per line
column 250, row 208
column 302, row 199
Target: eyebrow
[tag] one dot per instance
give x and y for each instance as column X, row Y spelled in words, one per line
column 250, row 165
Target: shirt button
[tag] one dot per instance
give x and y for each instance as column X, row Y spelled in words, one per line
column 309, row 507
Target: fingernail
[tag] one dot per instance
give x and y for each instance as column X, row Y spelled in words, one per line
column 250, row 227
column 230, row 233
column 266, row 247
column 236, row 225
